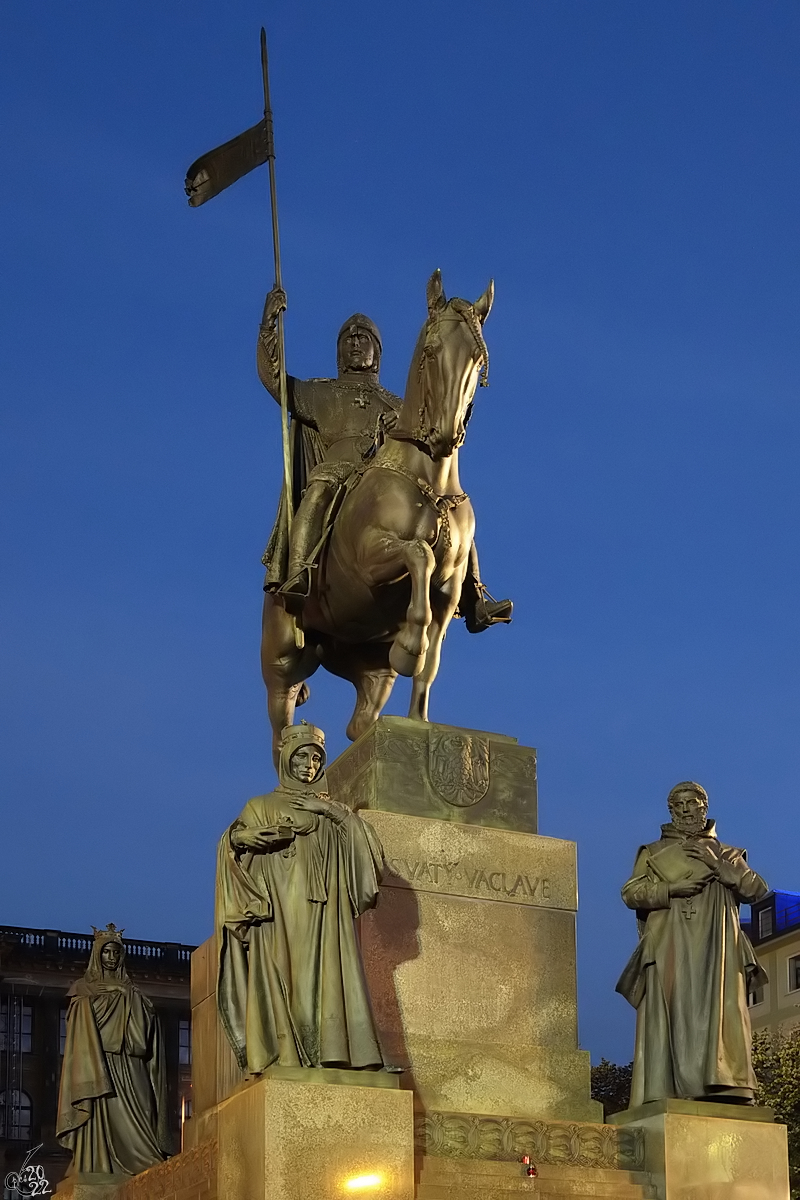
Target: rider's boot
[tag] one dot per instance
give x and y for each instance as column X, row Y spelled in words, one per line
column 306, row 532
column 477, row 606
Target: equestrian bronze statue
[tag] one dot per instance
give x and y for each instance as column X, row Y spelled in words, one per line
column 373, row 551
column 378, row 555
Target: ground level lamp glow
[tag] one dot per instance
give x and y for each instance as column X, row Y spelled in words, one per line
column 363, row 1183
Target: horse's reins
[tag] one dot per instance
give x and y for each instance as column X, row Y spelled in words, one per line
column 440, row 504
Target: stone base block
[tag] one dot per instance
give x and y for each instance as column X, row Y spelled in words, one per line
column 282, row 1140
column 470, row 961
column 699, row 1151
column 465, row 776
column 100, row 1188
column 448, row 1179
column 304, row 1135
column 215, row 1071
column 470, row 1077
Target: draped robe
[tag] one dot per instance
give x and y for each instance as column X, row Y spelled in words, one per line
column 112, row 1104
column 291, row 987
column 688, row 979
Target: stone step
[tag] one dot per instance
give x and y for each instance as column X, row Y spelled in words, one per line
column 478, row 1179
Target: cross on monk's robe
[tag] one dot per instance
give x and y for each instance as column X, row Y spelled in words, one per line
column 689, row 976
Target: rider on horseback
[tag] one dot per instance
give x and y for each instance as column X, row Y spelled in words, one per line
column 337, row 425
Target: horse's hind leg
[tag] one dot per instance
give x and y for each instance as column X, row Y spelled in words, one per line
column 284, row 668
column 367, row 668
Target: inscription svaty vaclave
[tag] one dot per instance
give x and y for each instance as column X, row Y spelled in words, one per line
column 475, row 862
column 477, row 880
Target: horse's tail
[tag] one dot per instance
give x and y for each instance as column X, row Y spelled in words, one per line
column 302, row 695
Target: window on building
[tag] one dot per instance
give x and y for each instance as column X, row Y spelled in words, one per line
column 794, row 973
column 62, row 1031
column 15, row 1115
column 16, row 1023
column 755, row 997
column 765, row 923
column 184, row 1042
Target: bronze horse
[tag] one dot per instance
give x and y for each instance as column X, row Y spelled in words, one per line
column 389, row 578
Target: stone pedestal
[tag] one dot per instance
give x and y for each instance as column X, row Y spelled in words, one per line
column 470, row 954
column 283, row 1140
column 440, row 771
column 699, row 1151
column 470, row 962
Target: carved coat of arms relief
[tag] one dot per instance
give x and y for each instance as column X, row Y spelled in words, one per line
column 458, row 766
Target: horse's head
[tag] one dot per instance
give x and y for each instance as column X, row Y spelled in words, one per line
column 449, row 358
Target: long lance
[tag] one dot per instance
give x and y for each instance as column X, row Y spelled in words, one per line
column 276, row 246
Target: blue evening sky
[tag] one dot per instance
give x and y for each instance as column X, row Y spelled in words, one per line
column 628, row 174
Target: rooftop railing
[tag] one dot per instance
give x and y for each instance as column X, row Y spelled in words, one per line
column 788, row 917
column 138, row 952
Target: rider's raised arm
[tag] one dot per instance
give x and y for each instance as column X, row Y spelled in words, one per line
column 267, row 361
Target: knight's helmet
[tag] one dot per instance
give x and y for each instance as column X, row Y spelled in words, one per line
column 360, row 321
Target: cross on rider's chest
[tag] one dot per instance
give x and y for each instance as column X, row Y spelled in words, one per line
column 361, row 402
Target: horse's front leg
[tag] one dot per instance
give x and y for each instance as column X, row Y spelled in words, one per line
column 407, row 655
column 444, row 604
column 284, row 668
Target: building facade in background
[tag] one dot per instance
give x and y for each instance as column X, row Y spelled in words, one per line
column 774, row 930
column 37, row 968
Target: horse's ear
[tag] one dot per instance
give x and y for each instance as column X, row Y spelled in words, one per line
column 435, row 293
column 483, row 305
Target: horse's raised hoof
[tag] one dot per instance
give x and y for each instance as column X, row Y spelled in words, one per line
column 404, row 662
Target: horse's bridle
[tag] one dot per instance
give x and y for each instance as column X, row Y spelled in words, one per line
column 422, row 434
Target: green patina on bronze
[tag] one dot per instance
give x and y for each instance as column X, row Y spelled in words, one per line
column 294, row 871
column 112, row 1104
column 689, row 976
column 373, row 551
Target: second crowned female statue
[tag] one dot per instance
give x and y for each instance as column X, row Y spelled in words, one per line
column 294, row 871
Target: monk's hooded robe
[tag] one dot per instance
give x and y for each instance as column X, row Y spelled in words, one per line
column 689, row 976
column 291, row 987
column 112, row 1102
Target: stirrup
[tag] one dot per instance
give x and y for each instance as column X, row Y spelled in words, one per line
column 487, row 611
column 296, row 590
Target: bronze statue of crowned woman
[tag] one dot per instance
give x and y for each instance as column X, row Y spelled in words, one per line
column 112, row 1103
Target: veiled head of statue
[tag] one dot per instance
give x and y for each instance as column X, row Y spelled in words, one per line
column 688, row 807
column 359, row 346
column 302, row 757
column 108, row 954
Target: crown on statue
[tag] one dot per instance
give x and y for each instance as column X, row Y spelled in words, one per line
column 109, row 934
column 302, row 735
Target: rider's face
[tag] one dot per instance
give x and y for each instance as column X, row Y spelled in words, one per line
column 357, row 350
